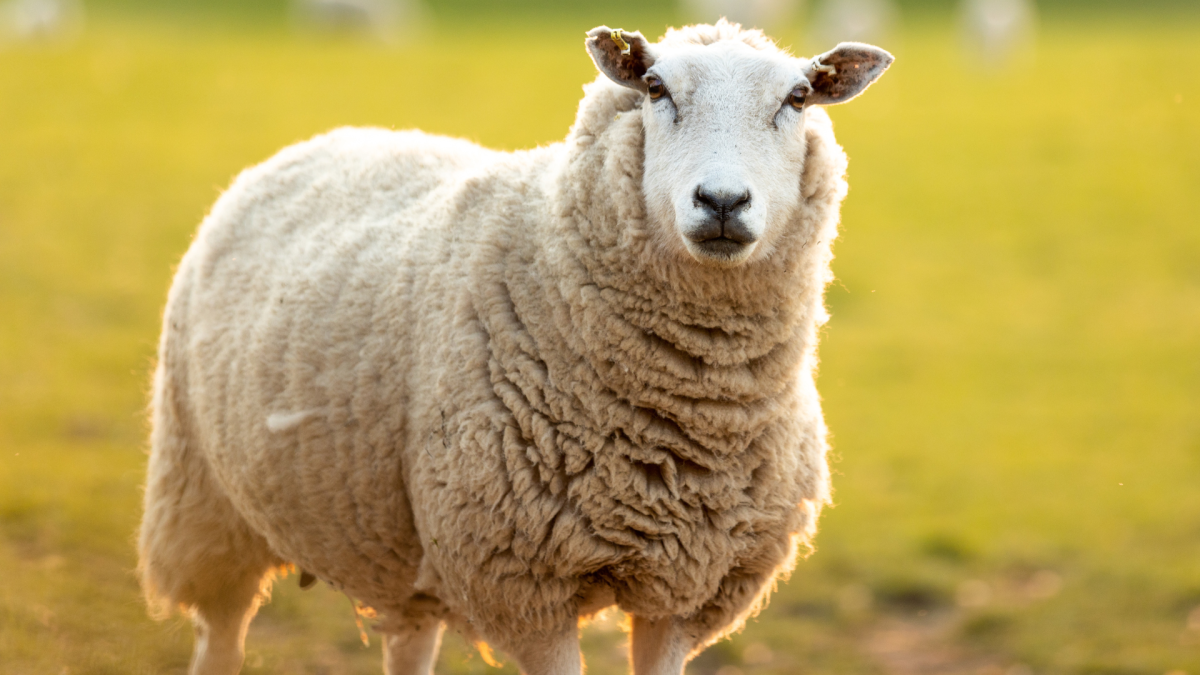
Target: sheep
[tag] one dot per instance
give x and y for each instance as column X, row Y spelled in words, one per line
column 505, row 391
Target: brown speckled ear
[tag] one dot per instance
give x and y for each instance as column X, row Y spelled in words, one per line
column 623, row 56
column 845, row 71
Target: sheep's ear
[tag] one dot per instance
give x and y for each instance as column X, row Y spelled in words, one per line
column 845, row 71
column 623, row 56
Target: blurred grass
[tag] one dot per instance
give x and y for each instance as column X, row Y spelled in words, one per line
column 1011, row 374
column 456, row 12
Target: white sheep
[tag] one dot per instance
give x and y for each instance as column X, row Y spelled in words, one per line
column 506, row 390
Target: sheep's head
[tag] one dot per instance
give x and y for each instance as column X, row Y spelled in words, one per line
column 724, row 114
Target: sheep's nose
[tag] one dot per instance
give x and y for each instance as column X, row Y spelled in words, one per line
column 722, row 204
column 722, row 226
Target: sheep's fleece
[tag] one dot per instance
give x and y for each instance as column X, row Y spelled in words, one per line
column 463, row 385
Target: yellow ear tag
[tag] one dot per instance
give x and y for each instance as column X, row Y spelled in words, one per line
column 620, row 42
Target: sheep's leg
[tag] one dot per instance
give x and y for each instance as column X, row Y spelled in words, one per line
column 554, row 655
column 658, row 646
column 196, row 551
column 220, row 640
column 412, row 652
column 221, row 616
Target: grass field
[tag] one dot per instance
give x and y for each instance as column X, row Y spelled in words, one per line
column 1011, row 375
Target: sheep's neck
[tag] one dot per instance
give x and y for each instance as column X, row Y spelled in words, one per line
column 702, row 379
column 716, row 352
column 666, row 355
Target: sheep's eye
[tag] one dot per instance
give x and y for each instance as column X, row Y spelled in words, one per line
column 796, row 98
column 655, row 87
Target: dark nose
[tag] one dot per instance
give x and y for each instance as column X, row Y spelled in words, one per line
column 723, row 223
column 723, row 205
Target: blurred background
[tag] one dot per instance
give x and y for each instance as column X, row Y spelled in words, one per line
column 1011, row 374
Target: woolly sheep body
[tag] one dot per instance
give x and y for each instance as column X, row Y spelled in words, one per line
column 458, row 385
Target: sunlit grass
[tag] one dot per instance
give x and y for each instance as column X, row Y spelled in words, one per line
column 1012, row 373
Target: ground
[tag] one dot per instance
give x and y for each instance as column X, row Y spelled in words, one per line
column 1011, row 375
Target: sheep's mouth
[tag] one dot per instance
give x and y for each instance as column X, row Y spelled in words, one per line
column 724, row 242
column 721, row 247
column 720, row 251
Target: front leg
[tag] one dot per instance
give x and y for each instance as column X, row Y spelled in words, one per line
column 412, row 651
column 659, row 646
column 551, row 655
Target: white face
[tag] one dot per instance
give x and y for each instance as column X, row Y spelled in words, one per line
column 725, row 149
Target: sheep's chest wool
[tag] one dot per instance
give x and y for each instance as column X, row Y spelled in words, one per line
column 467, row 386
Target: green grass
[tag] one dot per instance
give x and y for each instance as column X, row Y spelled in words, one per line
column 1011, row 375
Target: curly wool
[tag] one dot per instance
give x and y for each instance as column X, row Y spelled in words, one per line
column 463, row 384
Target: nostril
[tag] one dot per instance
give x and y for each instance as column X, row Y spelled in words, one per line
column 722, row 204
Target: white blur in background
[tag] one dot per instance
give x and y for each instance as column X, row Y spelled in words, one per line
column 837, row 21
column 382, row 19
column 750, row 13
column 998, row 31
column 40, row 20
